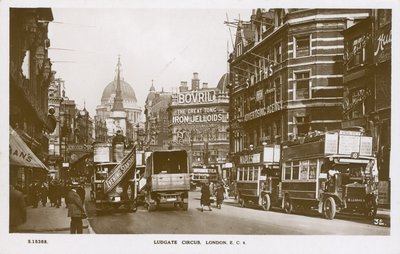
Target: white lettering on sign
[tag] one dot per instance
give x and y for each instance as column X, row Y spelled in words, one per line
column 250, row 158
column 268, row 71
column 263, row 111
column 197, row 118
column 383, row 40
column 196, row 97
column 120, row 170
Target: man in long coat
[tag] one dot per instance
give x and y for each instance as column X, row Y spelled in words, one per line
column 75, row 211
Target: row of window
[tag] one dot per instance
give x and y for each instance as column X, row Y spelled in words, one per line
column 300, row 170
column 301, row 48
column 248, row 173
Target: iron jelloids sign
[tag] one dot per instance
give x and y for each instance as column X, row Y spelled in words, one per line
column 199, row 115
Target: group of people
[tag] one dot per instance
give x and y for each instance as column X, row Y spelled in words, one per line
column 73, row 193
column 210, row 189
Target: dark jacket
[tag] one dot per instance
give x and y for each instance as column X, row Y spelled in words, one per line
column 75, row 207
column 17, row 208
column 220, row 192
column 205, row 195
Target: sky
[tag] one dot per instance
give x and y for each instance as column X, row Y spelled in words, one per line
column 163, row 45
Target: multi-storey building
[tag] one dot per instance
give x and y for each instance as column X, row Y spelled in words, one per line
column 367, row 86
column 30, row 76
column 199, row 121
column 157, row 119
column 55, row 99
column 286, row 75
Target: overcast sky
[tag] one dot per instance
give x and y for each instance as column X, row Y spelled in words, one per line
column 164, row 45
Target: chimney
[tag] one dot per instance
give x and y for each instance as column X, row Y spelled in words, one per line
column 205, row 85
column 183, row 87
column 195, row 81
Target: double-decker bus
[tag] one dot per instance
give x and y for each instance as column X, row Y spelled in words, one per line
column 334, row 171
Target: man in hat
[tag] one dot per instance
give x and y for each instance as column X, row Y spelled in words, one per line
column 75, row 210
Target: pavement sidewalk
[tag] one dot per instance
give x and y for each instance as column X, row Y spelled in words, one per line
column 49, row 220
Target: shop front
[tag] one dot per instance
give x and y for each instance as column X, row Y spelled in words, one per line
column 25, row 166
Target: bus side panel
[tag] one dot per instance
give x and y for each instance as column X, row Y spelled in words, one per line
column 300, row 190
column 247, row 188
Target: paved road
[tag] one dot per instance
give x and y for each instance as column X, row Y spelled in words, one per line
column 231, row 219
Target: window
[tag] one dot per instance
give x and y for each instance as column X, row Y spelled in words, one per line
column 288, row 171
column 303, row 125
column 239, row 49
column 313, row 169
column 295, row 175
column 302, row 46
column 303, row 170
column 302, row 85
column 278, row 53
column 384, row 17
column 278, row 89
column 255, row 177
column 251, row 173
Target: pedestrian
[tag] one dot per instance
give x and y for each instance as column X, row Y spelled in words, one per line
column 75, row 211
column 43, row 194
column 81, row 192
column 205, row 196
column 51, row 193
column 34, row 194
column 220, row 191
column 57, row 194
column 17, row 209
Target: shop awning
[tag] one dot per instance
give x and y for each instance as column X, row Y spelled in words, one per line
column 21, row 154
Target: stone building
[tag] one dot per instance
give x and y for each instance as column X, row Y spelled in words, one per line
column 286, row 75
column 157, row 119
column 367, row 86
column 30, row 76
column 199, row 121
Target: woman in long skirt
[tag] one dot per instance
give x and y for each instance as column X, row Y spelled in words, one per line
column 205, row 196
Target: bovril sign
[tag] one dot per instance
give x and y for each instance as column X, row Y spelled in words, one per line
column 196, row 97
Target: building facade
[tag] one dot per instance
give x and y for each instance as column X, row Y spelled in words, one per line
column 199, row 121
column 286, row 75
column 157, row 135
column 30, row 76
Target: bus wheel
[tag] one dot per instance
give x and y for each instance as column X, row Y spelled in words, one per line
column 370, row 207
column 266, row 202
column 288, row 205
column 242, row 203
column 329, row 208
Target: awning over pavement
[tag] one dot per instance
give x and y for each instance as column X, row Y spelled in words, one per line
column 21, row 154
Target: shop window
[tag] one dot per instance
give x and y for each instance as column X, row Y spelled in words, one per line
column 302, row 46
column 302, row 85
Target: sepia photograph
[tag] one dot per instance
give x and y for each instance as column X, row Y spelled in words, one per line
column 199, row 127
